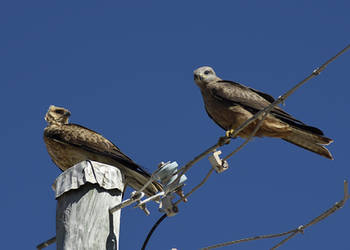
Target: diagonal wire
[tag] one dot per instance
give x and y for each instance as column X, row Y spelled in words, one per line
column 196, row 187
column 285, row 239
column 46, row 243
column 268, row 236
column 293, row 232
column 324, row 215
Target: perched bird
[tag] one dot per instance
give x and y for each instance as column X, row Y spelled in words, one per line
column 69, row 144
column 230, row 104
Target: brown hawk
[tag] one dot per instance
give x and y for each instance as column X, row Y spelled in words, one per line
column 69, row 144
column 230, row 104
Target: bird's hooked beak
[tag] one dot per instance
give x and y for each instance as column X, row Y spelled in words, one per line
column 197, row 77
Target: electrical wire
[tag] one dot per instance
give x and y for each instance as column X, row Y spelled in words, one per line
column 152, row 230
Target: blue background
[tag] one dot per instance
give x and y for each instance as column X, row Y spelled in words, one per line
column 126, row 71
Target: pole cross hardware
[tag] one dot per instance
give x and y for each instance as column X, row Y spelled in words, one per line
column 167, row 206
column 167, row 175
column 218, row 164
column 134, row 197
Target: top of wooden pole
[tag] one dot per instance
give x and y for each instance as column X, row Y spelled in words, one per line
column 106, row 176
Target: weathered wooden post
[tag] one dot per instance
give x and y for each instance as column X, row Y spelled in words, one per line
column 84, row 194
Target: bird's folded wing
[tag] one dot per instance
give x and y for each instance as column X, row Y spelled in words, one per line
column 233, row 93
column 89, row 140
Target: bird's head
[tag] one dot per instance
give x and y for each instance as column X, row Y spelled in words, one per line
column 204, row 75
column 57, row 115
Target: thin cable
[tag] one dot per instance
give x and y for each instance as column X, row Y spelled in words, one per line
column 295, row 231
column 268, row 236
column 152, row 230
column 196, row 187
column 46, row 243
column 323, row 216
column 176, row 203
column 285, row 240
column 198, row 158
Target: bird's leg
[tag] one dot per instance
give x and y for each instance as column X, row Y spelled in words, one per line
column 227, row 138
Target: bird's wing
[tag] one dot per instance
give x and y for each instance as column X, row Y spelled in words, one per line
column 89, row 140
column 233, row 93
column 211, row 117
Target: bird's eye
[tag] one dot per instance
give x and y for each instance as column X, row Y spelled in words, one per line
column 59, row 111
column 207, row 72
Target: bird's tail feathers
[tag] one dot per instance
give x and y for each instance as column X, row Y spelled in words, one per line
column 309, row 141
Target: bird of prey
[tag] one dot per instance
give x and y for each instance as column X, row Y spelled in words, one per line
column 230, row 104
column 69, row 144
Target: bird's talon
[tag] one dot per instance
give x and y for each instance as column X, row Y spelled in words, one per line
column 229, row 133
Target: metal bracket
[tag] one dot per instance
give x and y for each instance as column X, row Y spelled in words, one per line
column 143, row 207
column 218, row 164
column 134, row 197
column 167, row 206
column 167, row 174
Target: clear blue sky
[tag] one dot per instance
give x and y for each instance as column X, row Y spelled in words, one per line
column 125, row 70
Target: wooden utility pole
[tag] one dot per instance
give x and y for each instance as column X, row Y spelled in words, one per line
column 84, row 194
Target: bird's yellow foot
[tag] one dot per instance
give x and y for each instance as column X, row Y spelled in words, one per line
column 229, row 133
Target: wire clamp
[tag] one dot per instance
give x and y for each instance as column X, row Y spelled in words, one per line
column 217, row 163
column 143, row 208
column 167, row 206
column 283, row 100
column 134, row 197
column 316, row 71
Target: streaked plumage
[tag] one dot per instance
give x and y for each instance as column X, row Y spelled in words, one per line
column 69, row 144
column 230, row 104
